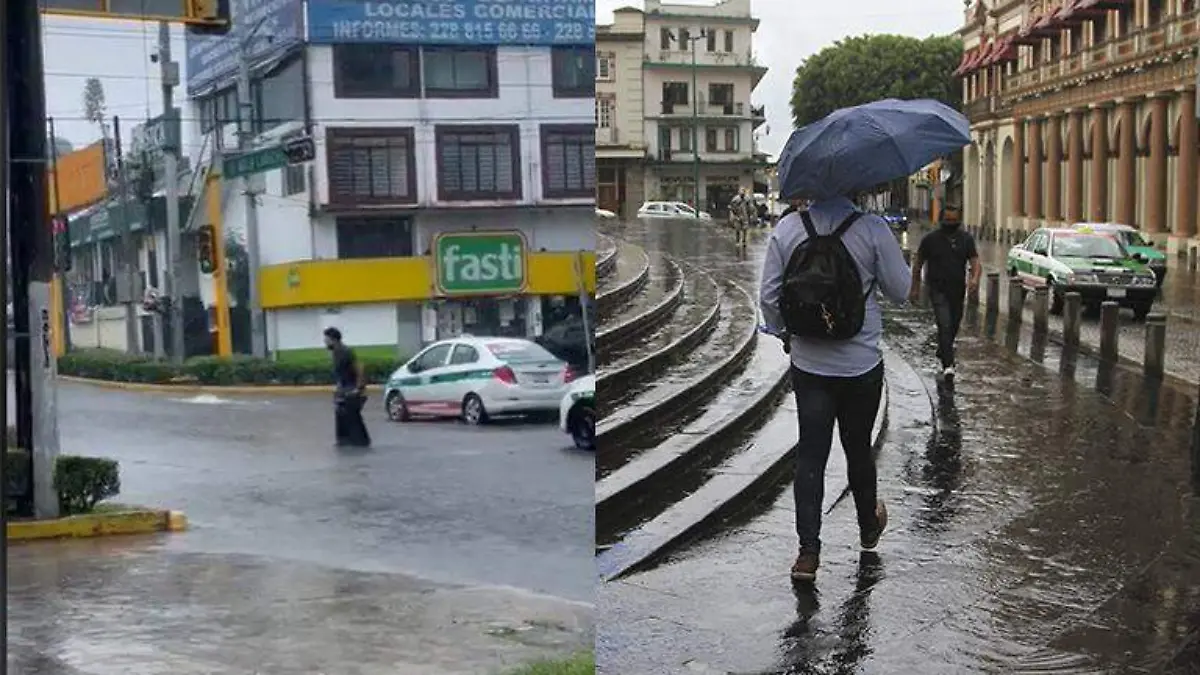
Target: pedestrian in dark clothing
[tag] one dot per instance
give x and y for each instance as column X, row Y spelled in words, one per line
column 945, row 254
column 835, row 381
column 349, row 394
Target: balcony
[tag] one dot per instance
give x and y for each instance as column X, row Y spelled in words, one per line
column 986, row 108
column 1175, row 34
column 606, row 136
column 711, row 109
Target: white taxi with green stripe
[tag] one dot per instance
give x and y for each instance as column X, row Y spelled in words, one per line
column 1094, row 264
column 476, row 378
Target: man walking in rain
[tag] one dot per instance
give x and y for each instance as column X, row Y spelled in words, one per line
column 945, row 255
column 835, row 380
column 349, row 394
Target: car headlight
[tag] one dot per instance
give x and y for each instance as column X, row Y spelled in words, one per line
column 1148, row 280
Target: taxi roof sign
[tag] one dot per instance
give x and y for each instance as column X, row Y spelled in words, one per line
column 213, row 14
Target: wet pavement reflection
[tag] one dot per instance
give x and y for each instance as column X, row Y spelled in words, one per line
column 1039, row 524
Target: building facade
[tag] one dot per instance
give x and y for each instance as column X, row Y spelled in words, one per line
column 696, row 70
column 454, row 181
column 1082, row 110
column 620, row 114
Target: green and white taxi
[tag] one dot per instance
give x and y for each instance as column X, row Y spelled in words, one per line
column 1138, row 246
column 577, row 413
column 475, row 378
column 1079, row 259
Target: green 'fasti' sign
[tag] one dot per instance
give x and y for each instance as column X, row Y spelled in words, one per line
column 473, row 263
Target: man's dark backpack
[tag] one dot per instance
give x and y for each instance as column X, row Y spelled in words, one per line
column 822, row 289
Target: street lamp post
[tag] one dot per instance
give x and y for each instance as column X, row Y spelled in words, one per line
column 695, row 126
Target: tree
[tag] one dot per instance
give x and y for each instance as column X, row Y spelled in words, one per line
column 95, row 108
column 867, row 68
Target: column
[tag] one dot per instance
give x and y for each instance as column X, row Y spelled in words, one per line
column 1185, row 174
column 1098, row 197
column 1033, row 184
column 1126, row 177
column 1156, row 174
column 1075, row 166
column 1054, row 168
column 1018, row 171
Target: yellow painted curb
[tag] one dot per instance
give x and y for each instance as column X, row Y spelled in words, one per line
column 98, row 525
column 256, row 389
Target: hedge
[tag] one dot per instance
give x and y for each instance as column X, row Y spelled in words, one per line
column 81, row 482
column 108, row 364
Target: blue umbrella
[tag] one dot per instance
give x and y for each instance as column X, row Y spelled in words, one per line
column 857, row 148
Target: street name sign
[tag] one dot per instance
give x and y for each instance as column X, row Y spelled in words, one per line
column 294, row 151
column 476, row 263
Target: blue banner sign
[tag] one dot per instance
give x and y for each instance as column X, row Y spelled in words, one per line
column 273, row 27
column 465, row 22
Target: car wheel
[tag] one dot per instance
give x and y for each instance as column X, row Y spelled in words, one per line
column 1056, row 300
column 1140, row 312
column 583, row 428
column 473, row 412
column 396, row 407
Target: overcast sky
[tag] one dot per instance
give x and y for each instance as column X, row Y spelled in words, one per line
column 791, row 30
column 118, row 52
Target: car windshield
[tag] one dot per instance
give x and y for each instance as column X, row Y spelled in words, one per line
column 686, row 209
column 517, row 351
column 1133, row 238
column 1086, row 246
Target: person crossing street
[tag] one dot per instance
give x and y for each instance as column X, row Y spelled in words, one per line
column 945, row 254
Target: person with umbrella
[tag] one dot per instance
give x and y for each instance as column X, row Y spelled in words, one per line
column 822, row 266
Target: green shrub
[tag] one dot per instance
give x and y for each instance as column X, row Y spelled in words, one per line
column 82, row 482
column 107, row 364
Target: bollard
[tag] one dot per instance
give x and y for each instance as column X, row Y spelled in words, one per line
column 1072, row 312
column 1041, row 310
column 1110, row 313
column 1156, row 346
column 992, row 301
column 1193, row 252
column 1016, row 301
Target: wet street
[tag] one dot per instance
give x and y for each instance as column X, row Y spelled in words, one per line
column 443, row 549
column 1039, row 524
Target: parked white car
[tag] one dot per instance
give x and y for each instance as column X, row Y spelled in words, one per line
column 475, row 378
column 577, row 413
column 670, row 210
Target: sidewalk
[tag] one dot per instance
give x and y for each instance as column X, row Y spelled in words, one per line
column 1040, row 528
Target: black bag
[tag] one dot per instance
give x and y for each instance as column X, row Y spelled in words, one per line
column 822, row 289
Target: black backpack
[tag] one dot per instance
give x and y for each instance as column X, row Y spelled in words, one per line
column 822, row 289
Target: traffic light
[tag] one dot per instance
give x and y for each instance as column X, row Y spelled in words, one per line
column 216, row 11
column 205, row 249
column 62, row 245
column 300, row 150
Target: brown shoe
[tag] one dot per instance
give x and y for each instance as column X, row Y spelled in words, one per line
column 869, row 538
column 805, row 567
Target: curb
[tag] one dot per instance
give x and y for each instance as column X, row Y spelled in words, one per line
column 648, row 320
column 615, row 297
column 647, row 365
column 684, row 395
column 700, row 511
column 256, row 389
column 140, row 521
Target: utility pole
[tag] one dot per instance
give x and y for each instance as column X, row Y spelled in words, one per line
column 696, row 124
column 169, row 71
column 258, row 335
column 32, row 251
column 62, row 253
column 4, row 271
column 126, row 287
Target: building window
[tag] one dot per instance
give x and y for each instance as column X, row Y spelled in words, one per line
column 568, row 160
column 606, row 109
column 371, row 166
column 673, row 94
column 293, row 180
column 711, row 41
column 454, row 72
column 720, row 97
column 1099, row 30
column 685, row 39
column 606, row 67
column 573, row 72
column 478, row 162
column 685, row 139
column 376, row 71
column 729, row 41
column 664, row 37
column 721, row 139
column 374, row 237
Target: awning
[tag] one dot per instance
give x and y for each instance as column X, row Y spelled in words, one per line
column 967, row 57
column 1075, row 12
column 1004, row 51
